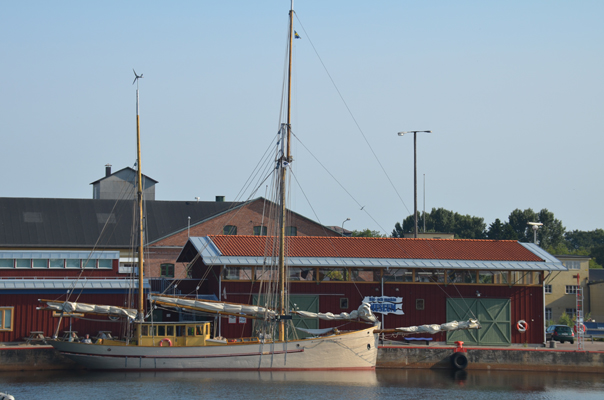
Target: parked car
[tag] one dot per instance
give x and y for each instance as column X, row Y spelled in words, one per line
column 561, row 333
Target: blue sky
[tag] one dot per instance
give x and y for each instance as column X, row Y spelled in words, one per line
column 514, row 92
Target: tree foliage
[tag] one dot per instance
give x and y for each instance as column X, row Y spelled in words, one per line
column 367, row 233
column 501, row 231
column 551, row 236
column 441, row 220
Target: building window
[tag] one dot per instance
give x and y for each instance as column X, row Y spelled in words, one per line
column 291, row 231
column 23, row 263
column 6, row 313
column 572, row 264
column 548, row 314
column 104, row 264
column 398, row 275
column 571, row 289
column 71, row 263
column 548, row 289
column 571, row 312
column 301, row 274
column 365, row 275
column 420, row 304
column 333, row 274
column 229, row 230
column 343, row 303
column 237, row 273
column 454, row 276
column 167, row 271
column 433, row 276
column 40, row 263
column 7, row 263
column 260, row 231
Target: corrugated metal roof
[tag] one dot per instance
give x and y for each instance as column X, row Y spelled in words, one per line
column 66, row 284
column 71, row 255
column 40, row 222
column 483, row 255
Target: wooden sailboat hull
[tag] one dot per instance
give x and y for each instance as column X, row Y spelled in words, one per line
column 347, row 351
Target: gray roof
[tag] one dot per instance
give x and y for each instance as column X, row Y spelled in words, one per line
column 596, row 275
column 212, row 256
column 39, row 222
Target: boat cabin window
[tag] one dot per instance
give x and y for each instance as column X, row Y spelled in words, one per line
column 180, row 330
column 199, row 331
column 161, row 330
column 190, row 331
column 170, row 330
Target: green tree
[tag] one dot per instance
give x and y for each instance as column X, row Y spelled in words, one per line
column 367, row 233
column 499, row 231
column 584, row 239
column 441, row 220
column 519, row 220
column 550, row 234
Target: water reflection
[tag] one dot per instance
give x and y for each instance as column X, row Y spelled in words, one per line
column 387, row 383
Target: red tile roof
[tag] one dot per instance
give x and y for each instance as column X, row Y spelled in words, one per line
column 346, row 247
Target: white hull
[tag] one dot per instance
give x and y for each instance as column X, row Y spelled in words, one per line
column 348, row 351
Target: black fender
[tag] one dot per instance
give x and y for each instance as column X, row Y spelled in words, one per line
column 459, row 360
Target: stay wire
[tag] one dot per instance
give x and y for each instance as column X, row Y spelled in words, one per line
column 352, row 115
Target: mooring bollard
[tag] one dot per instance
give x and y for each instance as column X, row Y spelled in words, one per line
column 552, row 344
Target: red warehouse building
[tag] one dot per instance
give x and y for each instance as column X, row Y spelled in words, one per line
column 82, row 276
column 408, row 281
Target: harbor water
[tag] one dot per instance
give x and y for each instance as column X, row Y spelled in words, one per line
column 379, row 384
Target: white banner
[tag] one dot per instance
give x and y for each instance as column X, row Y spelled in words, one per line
column 385, row 304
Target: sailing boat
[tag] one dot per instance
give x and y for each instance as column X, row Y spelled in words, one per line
column 195, row 347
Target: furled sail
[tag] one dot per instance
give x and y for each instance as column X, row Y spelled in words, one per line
column 84, row 308
column 435, row 328
column 363, row 312
column 213, row 306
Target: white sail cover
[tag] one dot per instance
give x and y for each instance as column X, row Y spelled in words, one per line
column 73, row 307
column 215, row 307
column 435, row 328
column 364, row 312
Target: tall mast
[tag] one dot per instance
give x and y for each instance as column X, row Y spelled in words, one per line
column 141, row 299
column 284, row 163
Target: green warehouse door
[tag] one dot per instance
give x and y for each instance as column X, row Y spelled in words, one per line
column 494, row 316
column 302, row 303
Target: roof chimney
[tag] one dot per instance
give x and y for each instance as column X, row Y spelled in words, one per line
column 219, row 199
column 107, row 170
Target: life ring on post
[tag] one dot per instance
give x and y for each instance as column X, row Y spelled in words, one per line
column 583, row 328
column 161, row 342
column 522, row 326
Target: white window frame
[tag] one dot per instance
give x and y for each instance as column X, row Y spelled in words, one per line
column 570, row 289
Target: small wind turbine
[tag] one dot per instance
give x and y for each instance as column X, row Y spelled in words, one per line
column 136, row 76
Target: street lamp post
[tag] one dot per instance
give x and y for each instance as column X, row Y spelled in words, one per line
column 347, row 219
column 414, row 174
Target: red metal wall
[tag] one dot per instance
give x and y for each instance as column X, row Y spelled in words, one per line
column 526, row 303
column 26, row 318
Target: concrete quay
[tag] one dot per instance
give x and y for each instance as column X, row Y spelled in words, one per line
column 391, row 355
column 565, row 357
